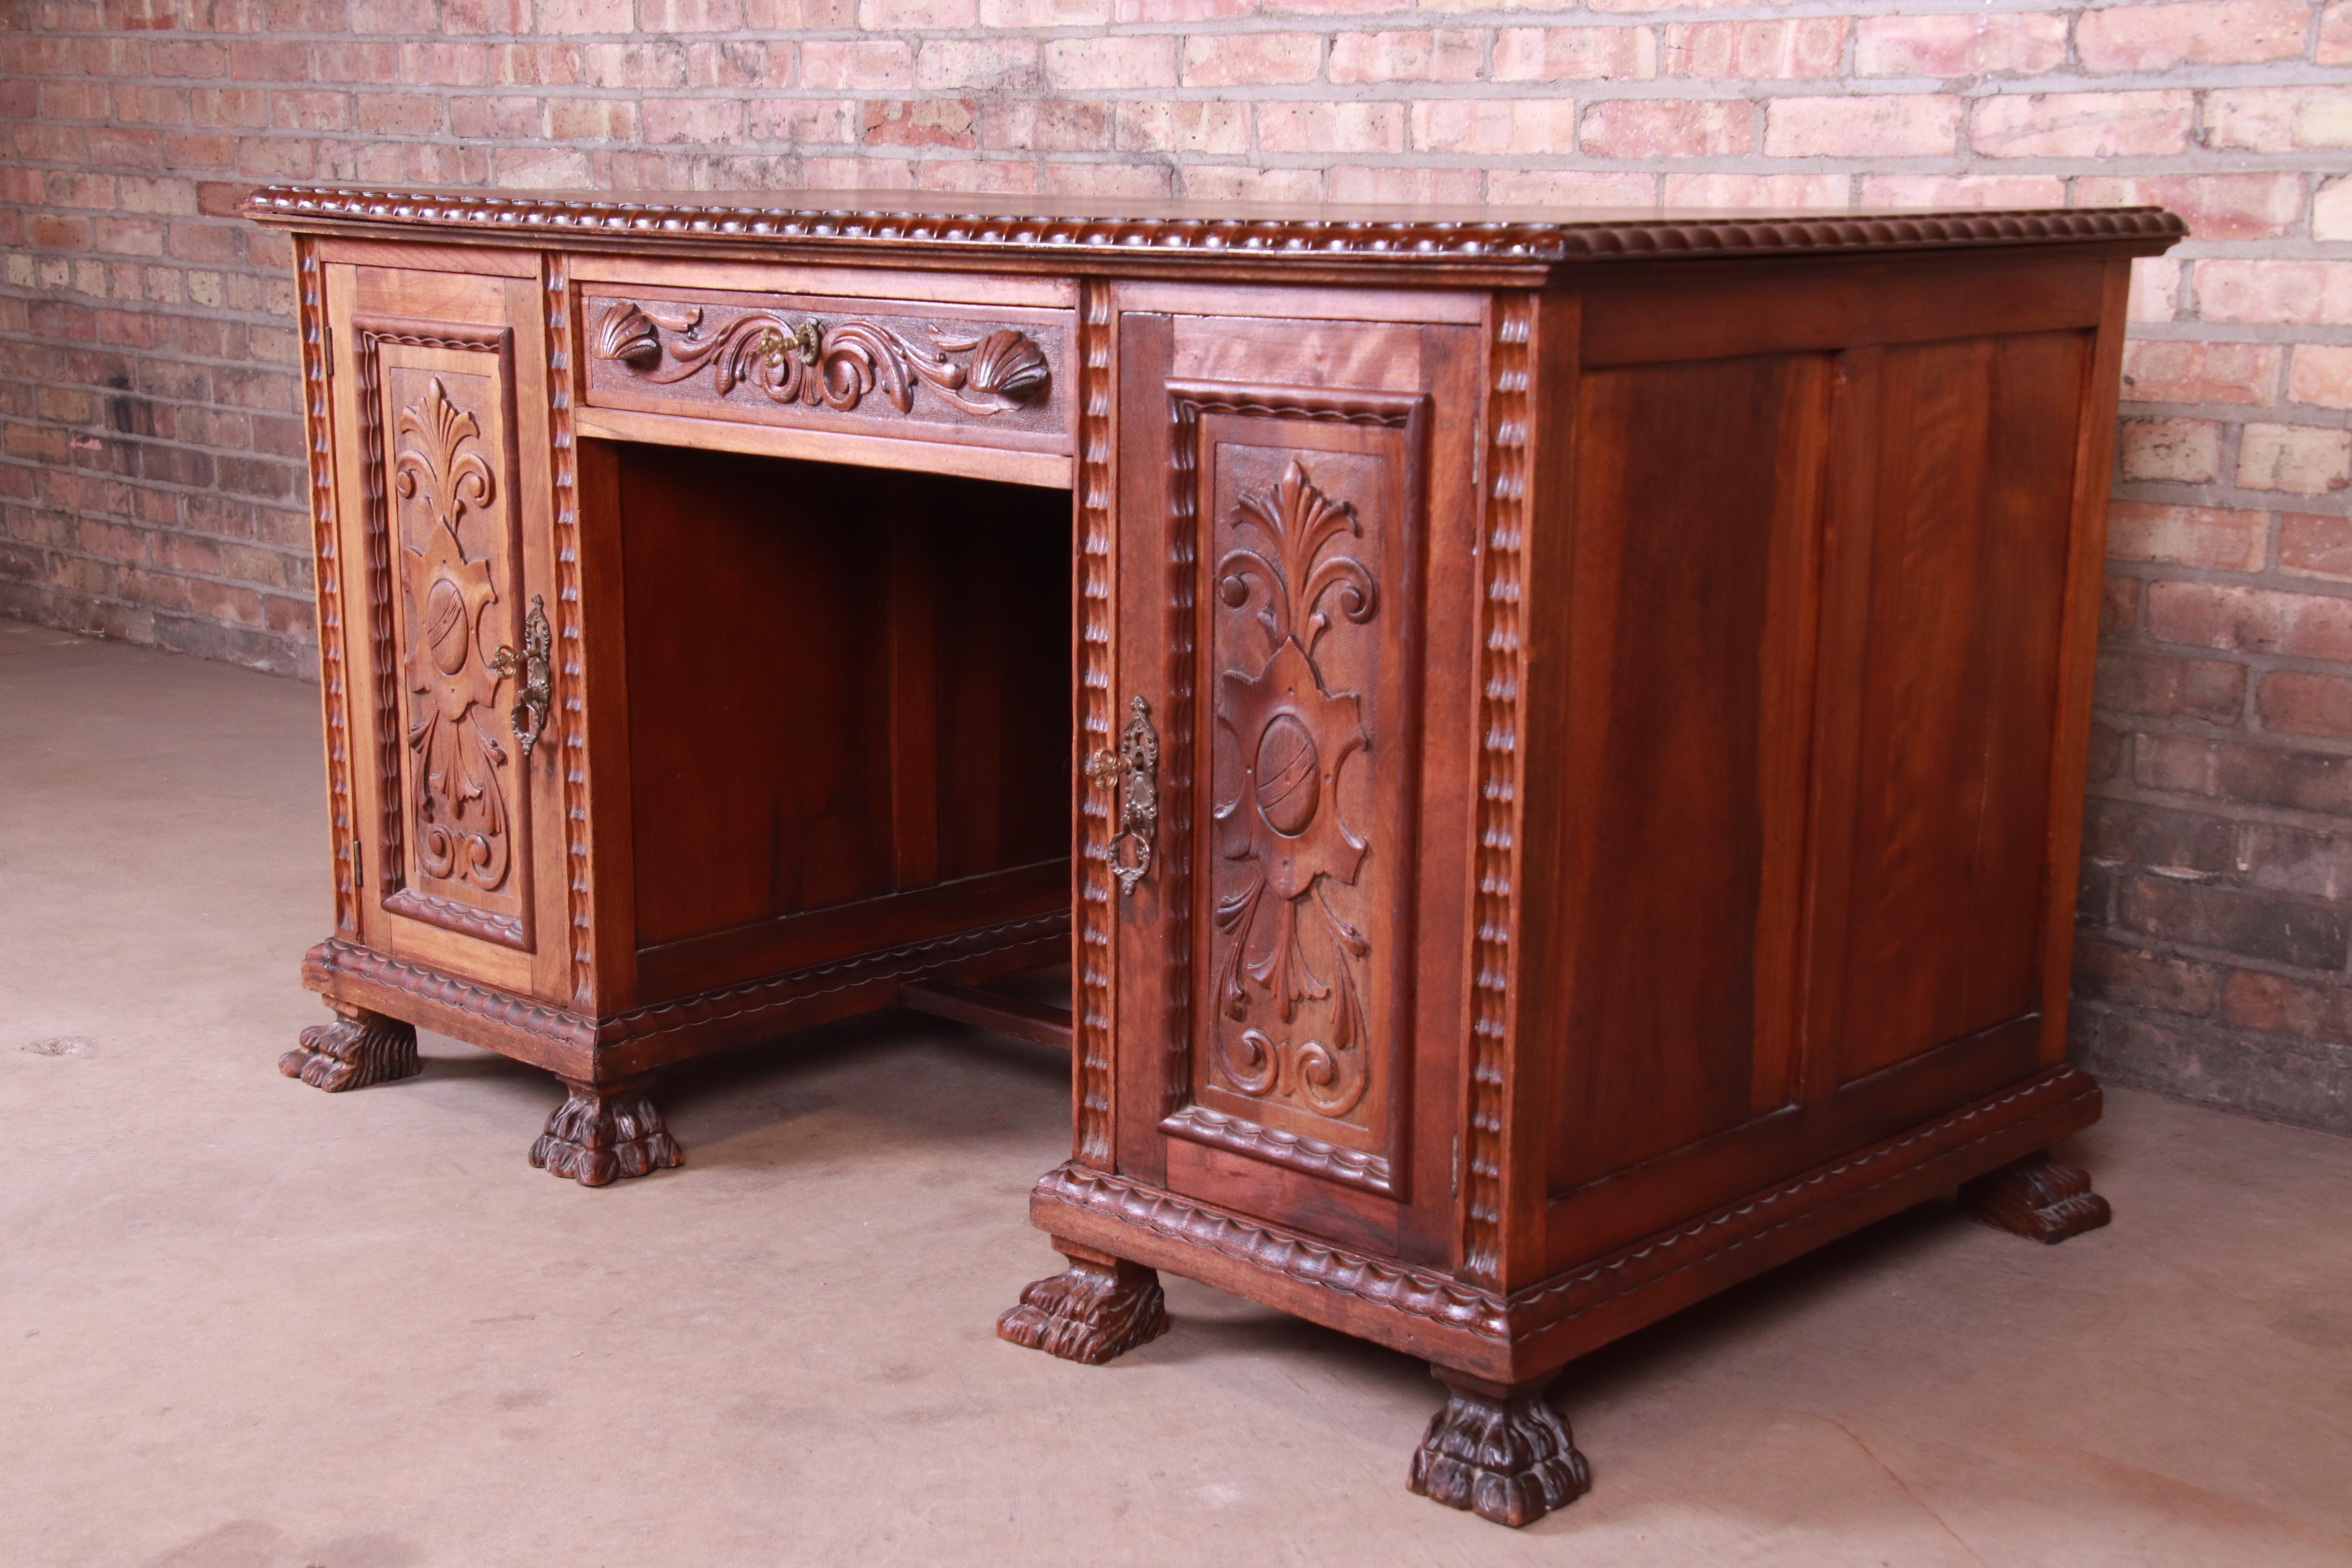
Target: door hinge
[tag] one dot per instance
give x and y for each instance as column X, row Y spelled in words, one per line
column 327, row 347
column 1457, row 1164
column 358, row 874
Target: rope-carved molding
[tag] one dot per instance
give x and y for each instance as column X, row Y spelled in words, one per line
column 812, row 361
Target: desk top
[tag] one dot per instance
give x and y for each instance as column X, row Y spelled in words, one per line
column 1077, row 232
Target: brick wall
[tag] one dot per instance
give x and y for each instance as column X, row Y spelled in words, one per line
column 149, row 479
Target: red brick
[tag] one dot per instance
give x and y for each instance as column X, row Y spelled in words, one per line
column 2321, row 375
column 2251, row 620
column 2210, row 32
column 922, row 122
column 1252, row 59
column 1757, row 193
column 592, row 120
column 309, row 110
column 2118, row 607
column 2300, row 459
column 2279, row 119
column 274, row 61
column 2279, row 1005
column 835, row 121
column 1232, row 183
column 1111, row 63
column 1212, row 127
column 916, row 16
column 2025, row 43
column 1064, row 125
column 1631, row 127
column 2081, row 124
column 993, row 65
column 1755, row 51
column 2216, row 206
column 2210, row 689
column 1908, row 126
column 1115, row 180
column 398, row 113
column 2182, row 451
column 987, row 176
column 510, row 119
column 2295, row 702
column 1444, row 56
column 1574, row 54
column 2311, row 545
column 1521, row 125
column 2163, row 371
column 1044, row 14
column 2208, row 537
column 1331, row 127
column 585, row 17
column 1949, row 192
column 871, row 65
column 1349, row 183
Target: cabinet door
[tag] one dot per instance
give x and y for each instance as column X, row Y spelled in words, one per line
column 439, row 403
column 1293, row 551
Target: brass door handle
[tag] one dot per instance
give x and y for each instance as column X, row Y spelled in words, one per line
column 529, row 714
column 1133, row 770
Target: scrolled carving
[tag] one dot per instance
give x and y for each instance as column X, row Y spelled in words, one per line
column 1283, row 822
column 457, row 796
column 835, row 365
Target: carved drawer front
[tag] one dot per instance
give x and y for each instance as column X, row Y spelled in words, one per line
column 970, row 374
column 458, row 648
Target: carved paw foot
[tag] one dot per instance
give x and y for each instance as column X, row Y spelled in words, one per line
column 2038, row 1198
column 1500, row 1451
column 1100, row 1307
column 599, row 1134
column 357, row 1049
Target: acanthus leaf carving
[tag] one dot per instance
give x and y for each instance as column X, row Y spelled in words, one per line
column 813, row 362
column 1283, row 822
column 462, row 831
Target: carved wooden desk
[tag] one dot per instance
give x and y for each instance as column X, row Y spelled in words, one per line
column 1579, row 725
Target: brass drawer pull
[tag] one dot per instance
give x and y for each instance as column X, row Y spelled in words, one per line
column 529, row 715
column 1134, row 771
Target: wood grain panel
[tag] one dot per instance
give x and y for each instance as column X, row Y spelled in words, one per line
column 1951, row 696
column 1686, row 671
column 772, row 769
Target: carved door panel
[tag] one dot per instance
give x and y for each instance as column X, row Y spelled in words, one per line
column 1277, row 581
column 449, row 640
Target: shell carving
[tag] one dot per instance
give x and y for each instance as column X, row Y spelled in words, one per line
column 834, row 364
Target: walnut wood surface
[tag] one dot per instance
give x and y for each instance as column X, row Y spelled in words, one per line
column 2037, row 1197
column 601, row 1134
column 357, row 1049
column 1500, row 1451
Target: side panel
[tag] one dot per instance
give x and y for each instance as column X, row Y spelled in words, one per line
column 1690, row 628
column 1810, row 669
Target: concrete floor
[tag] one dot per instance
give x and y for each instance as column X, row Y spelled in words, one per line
column 247, row 1325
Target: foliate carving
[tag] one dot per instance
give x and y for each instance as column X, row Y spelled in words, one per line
column 810, row 361
column 458, row 797
column 598, row 1135
column 1506, row 1457
column 1283, row 822
column 357, row 1049
column 1494, row 916
column 2038, row 1198
column 1089, row 1313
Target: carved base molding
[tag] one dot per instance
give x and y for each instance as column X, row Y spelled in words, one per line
column 357, row 1049
column 1548, row 1324
column 1099, row 1308
column 1499, row 1451
column 2038, row 1198
column 598, row 1135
